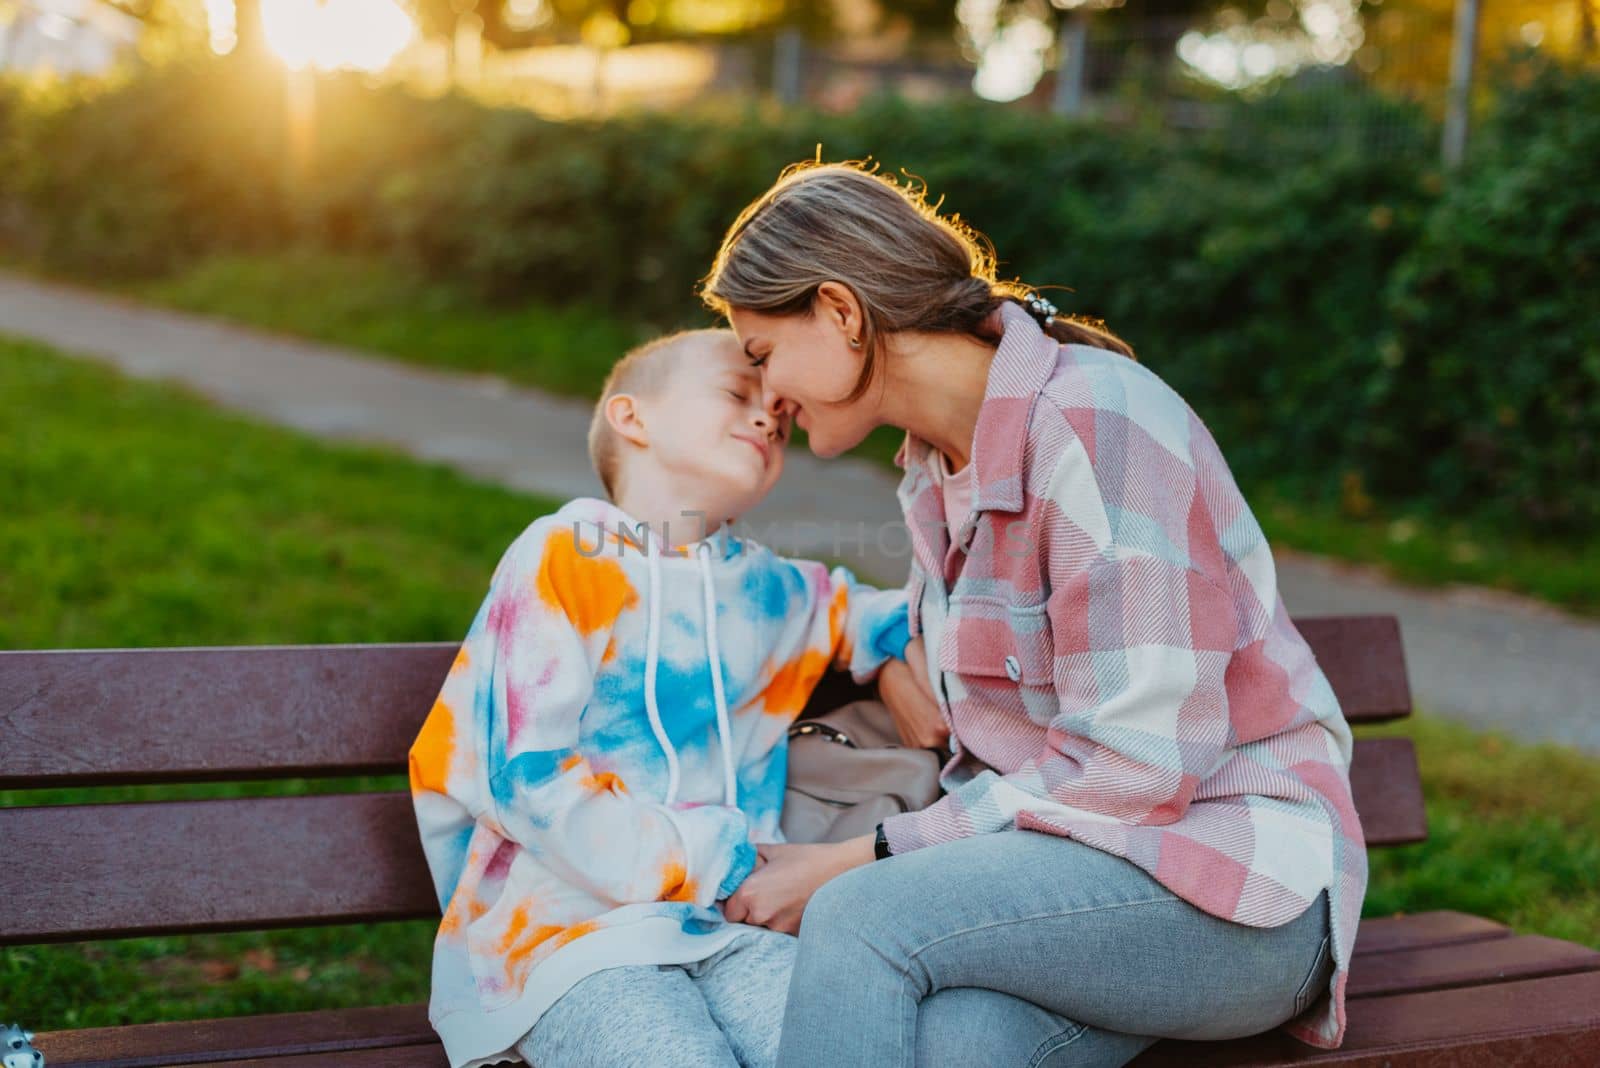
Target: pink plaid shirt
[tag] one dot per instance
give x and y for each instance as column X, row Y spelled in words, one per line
column 1114, row 660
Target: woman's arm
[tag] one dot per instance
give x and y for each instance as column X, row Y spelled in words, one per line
column 1127, row 746
column 1142, row 649
column 1142, row 644
column 1142, row 707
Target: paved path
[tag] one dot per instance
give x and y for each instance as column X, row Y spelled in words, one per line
column 1488, row 659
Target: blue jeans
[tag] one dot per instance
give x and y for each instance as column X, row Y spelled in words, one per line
column 1025, row 949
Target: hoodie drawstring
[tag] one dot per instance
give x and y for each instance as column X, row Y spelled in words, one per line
column 730, row 784
column 652, row 645
column 730, row 788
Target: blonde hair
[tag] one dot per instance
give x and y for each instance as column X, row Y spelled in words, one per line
column 642, row 372
column 909, row 266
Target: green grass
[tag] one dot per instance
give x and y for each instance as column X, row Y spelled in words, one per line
column 1513, row 833
column 144, row 980
column 138, row 515
column 134, row 516
column 1428, row 551
column 366, row 304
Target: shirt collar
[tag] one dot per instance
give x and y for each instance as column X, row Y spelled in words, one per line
column 1023, row 363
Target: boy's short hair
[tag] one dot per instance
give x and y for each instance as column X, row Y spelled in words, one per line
column 643, row 371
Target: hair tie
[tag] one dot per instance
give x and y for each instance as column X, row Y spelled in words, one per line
column 1041, row 309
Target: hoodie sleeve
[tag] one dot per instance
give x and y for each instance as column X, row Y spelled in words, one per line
column 861, row 627
column 500, row 754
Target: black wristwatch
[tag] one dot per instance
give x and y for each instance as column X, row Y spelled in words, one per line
column 880, row 845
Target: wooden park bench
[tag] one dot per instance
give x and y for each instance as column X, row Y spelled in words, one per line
column 1436, row 988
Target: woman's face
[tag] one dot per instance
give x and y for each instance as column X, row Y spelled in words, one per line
column 808, row 365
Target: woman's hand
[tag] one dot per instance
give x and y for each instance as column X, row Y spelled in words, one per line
column 776, row 893
column 903, row 686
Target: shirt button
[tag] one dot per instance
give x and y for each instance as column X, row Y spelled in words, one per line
column 1013, row 669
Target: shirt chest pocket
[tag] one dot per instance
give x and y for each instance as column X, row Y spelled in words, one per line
column 1003, row 656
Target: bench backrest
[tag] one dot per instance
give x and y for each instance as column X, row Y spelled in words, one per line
column 120, row 717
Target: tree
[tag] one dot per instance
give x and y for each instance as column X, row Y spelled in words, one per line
column 1407, row 47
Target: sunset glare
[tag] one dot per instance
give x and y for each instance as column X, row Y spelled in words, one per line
column 336, row 34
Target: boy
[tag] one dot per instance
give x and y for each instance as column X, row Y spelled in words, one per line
column 611, row 740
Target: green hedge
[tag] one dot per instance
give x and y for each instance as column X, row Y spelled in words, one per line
column 139, row 180
column 1346, row 319
column 1488, row 394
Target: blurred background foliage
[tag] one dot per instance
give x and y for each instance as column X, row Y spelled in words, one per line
column 1357, row 325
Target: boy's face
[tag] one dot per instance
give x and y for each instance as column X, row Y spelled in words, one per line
column 709, row 431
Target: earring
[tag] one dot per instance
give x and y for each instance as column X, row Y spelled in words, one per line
column 855, row 343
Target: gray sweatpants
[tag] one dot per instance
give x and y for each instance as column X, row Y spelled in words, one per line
column 721, row 1012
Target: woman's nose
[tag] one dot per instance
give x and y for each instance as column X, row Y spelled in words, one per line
column 772, row 403
column 775, row 416
column 769, row 423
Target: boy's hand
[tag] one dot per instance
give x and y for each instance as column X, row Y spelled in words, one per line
column 776, row 893
column 903, row 686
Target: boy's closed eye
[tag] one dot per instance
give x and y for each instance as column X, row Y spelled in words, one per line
column 746, row 390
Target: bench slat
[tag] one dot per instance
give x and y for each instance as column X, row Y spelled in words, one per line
column 1472, row 964
column 1365, row 663
column 252, row 863
column 120, row 716
column 397, row 1057
column 236, row 1038
column 191, row 866
column 1388, row 934
column 1531, row 1022
column 1534, row 1023
column 106, row 717
column 1387, row 788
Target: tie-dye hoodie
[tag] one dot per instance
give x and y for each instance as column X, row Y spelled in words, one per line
column 610, row 740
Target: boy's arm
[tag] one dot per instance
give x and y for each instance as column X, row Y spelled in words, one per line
column 500, row 747
column 830, row 620
column 864, row 626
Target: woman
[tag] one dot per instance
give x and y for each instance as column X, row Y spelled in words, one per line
column 1148, row 829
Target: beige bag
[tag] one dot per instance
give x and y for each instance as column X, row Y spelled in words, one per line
column 848, row 772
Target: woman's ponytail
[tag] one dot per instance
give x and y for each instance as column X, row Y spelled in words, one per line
column 1070, row 329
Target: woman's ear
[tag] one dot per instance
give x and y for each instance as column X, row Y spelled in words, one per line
column 623, row 414
column 838, row 306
